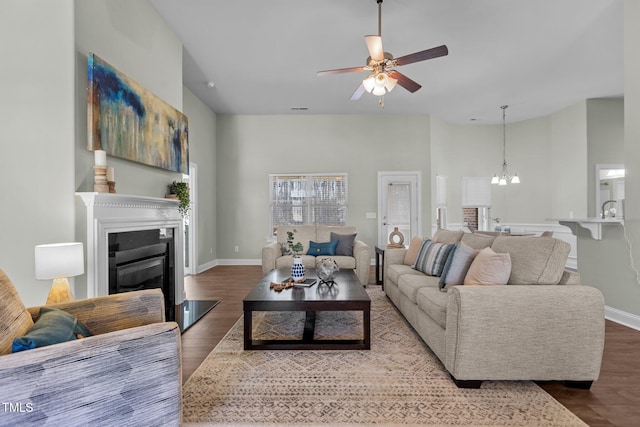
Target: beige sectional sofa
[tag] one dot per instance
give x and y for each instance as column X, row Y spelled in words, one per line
column 543, row 325
column 359, row 258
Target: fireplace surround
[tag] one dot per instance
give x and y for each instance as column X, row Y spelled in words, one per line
column 103, row 214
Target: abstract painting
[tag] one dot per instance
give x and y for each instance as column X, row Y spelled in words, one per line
column 129, row 122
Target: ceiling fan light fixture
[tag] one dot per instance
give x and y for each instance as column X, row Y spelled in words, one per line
column 391, row 83
column 369, row 83
column 378, row 91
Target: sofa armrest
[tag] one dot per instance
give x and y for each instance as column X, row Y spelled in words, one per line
column 270, row 253
column 362, row 254
column 526, row 332
column 115, row 312
column 394, row 256
column 128, row 377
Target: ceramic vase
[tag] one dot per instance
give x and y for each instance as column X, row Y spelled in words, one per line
column 297, row 269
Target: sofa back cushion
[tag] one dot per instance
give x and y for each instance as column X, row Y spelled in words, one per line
column 301, row 233
column 15, row 320
column 448, row 237
column 323, row 232
column 477, row 241
column 534, row 260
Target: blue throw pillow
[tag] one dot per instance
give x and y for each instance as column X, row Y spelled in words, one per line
column 317, row 249
column 52, row 327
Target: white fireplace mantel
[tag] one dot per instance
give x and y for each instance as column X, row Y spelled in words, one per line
column 113, row 213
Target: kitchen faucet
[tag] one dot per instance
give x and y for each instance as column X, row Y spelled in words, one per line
column 605, row 204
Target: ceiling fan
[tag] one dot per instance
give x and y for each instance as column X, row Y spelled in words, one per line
column 381, row 64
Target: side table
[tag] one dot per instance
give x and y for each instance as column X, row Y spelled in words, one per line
column 380, row 266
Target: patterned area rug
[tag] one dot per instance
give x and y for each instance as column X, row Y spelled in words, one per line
column 398, row 382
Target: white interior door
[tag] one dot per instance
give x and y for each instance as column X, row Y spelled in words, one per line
column 398, row 205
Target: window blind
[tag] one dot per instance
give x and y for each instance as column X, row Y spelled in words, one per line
column 308, row 199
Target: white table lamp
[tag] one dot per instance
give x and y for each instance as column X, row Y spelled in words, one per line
column 58, row 261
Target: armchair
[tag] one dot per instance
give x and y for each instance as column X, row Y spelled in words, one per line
column 127, row 373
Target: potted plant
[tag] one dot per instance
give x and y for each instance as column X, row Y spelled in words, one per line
column 181, row 191
column 289, row 247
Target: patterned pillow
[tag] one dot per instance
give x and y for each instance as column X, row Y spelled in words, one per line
column 431, row 257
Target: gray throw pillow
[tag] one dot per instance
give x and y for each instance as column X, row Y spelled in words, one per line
column 457, row 265
column 345, row 243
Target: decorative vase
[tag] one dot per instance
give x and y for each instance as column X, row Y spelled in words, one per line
column 327, row 269
column 396, row 239
column 297, row 269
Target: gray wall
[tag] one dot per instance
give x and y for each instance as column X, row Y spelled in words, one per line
column 249, row 148
column 611, row 264
column 37, row 144
column 202, row 151
column 538, row 150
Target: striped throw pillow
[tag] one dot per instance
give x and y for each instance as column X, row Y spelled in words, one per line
column 431, row 257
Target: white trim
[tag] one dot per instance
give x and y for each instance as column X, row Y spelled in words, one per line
column 238, row 261
column 622, row 317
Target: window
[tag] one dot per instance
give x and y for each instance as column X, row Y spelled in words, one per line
column 308, row 199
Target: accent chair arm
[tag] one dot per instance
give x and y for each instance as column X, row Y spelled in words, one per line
column 128, row 377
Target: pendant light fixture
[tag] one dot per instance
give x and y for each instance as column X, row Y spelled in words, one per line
column 505, row 177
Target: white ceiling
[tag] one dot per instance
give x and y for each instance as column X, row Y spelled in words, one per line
column 537, row 56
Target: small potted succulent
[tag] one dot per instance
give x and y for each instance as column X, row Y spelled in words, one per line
column 180, row 190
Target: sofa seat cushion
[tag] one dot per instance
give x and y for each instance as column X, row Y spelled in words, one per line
column 434, row 303
column 286, row 261
column 410, row 284
column 346, row 262
column 534, row 260
column 394, row 271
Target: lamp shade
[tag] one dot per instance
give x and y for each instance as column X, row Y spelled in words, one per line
column 59, row 260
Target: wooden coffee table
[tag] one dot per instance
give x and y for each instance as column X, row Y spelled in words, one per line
column 347, row 294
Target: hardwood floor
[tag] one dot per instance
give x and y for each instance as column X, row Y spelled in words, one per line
column 614, row 400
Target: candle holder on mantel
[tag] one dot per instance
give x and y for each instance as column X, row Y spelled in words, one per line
column 100, row 179
column 111, row 182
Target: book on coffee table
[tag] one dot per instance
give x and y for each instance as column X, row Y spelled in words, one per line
column 304, row 284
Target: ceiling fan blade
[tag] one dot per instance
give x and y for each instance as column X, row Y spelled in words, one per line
column 423, row 55
column 340, row 71
column 405, row 81
column 374, row 44
column 358, row 93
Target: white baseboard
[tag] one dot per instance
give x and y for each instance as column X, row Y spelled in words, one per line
column 204, row 267
column 239, row 262
column 622, row 317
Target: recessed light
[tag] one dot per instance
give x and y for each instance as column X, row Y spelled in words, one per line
column 211, row 85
